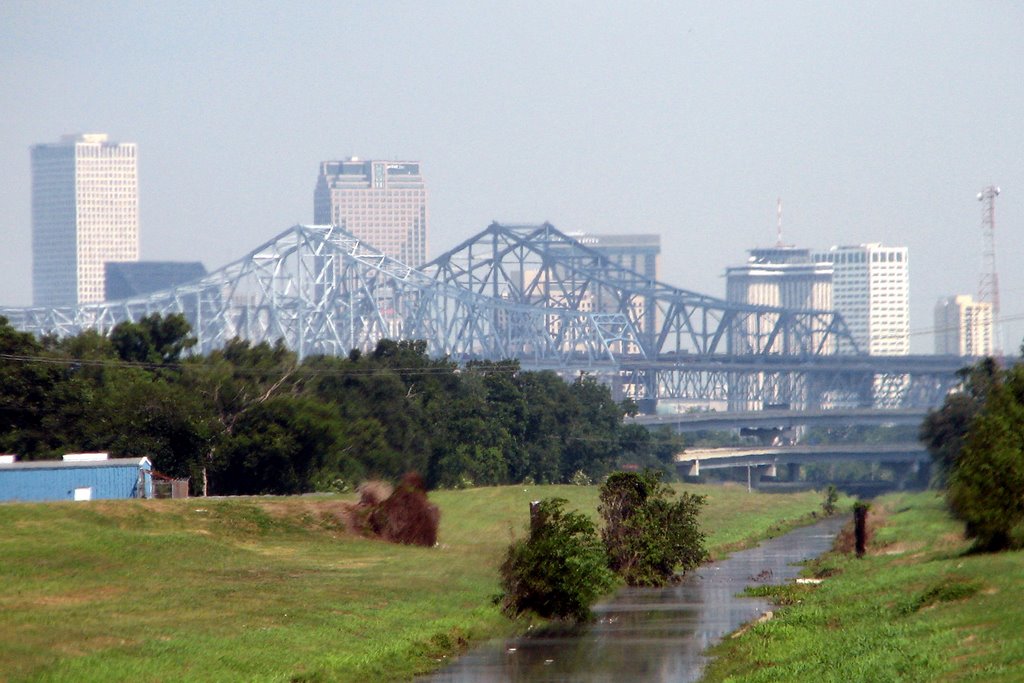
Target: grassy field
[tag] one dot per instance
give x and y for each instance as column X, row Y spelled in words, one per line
column 272, row 588
column 917, row 607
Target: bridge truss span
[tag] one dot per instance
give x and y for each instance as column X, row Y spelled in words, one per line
column 322, row 291
column 528, row 292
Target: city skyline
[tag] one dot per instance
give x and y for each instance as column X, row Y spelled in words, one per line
column 876, row 123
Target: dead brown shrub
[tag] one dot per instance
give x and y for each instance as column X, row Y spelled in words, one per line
column 405, row 516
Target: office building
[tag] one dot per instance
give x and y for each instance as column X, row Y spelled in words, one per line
column 128, row 280
column 963, row 326
column 781, row 276
column 85, row 212
column 381, row 202
column 638, row 253
column 871, row 289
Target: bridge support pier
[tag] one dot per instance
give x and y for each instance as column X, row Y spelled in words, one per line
column 693, row 471
column 912, row 475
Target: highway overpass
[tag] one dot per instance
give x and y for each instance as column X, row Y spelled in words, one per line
column 691, row 462
column 783, row 419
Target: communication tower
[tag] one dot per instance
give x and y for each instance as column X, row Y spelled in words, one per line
column 988, row 289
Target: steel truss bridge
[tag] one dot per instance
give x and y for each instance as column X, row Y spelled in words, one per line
column 533, row 293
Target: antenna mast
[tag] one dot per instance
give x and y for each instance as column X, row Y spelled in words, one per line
column 778, row 226
column 988, row 289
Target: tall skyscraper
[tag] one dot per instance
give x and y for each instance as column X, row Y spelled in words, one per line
column 85, row 212
column 381, row 202
column 963, row 326
column 871, row 289
column 782, row 276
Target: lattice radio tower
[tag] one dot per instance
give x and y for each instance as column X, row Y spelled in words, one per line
column 988, row 288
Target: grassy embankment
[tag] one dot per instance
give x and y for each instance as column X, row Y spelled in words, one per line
column 272, row 588
column 917, row 607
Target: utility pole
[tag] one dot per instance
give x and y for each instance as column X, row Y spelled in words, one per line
column 988, row 288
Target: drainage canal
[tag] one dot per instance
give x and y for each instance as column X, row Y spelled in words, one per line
column 650, row 634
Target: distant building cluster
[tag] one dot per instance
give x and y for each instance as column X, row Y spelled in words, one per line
column 868, row 284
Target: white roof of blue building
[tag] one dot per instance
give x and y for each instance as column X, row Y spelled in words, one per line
column 66, row 464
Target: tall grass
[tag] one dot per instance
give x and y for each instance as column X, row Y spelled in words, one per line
column 274, row 589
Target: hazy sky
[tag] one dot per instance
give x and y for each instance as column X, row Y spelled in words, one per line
column 873, row 121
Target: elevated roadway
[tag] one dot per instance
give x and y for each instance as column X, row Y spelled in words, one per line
column 692, row 461
column 783, row 419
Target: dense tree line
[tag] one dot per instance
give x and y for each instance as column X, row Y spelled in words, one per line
column 977, row 444
column 254, row 419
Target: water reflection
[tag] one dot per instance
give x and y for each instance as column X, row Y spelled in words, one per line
column 650, row 634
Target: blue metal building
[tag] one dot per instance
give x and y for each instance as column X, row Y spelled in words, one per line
column 47, row 480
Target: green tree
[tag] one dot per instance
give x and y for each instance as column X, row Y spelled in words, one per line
column 231, row 382
column 649, row 535
column 29, row 375
column 280, row 447
column 153, row 339
column 986, row 482
column 944, row 430
column 559, row 570
column 135, row 412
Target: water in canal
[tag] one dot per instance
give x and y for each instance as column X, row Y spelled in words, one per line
column 650, row 634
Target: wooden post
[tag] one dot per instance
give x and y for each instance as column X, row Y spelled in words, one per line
column 860, row 524
column 534, row 516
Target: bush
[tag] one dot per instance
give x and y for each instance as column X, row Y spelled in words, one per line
column 828, row 504
column 559, row 570
column 648, row 536
column 405, row 516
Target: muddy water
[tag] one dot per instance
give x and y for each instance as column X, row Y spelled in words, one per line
column 649, row 634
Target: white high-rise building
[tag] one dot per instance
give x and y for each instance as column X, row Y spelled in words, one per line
column 871, row 289
column 963, row 326
column 85, row 212
column 781, row 276
column 382, row 202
